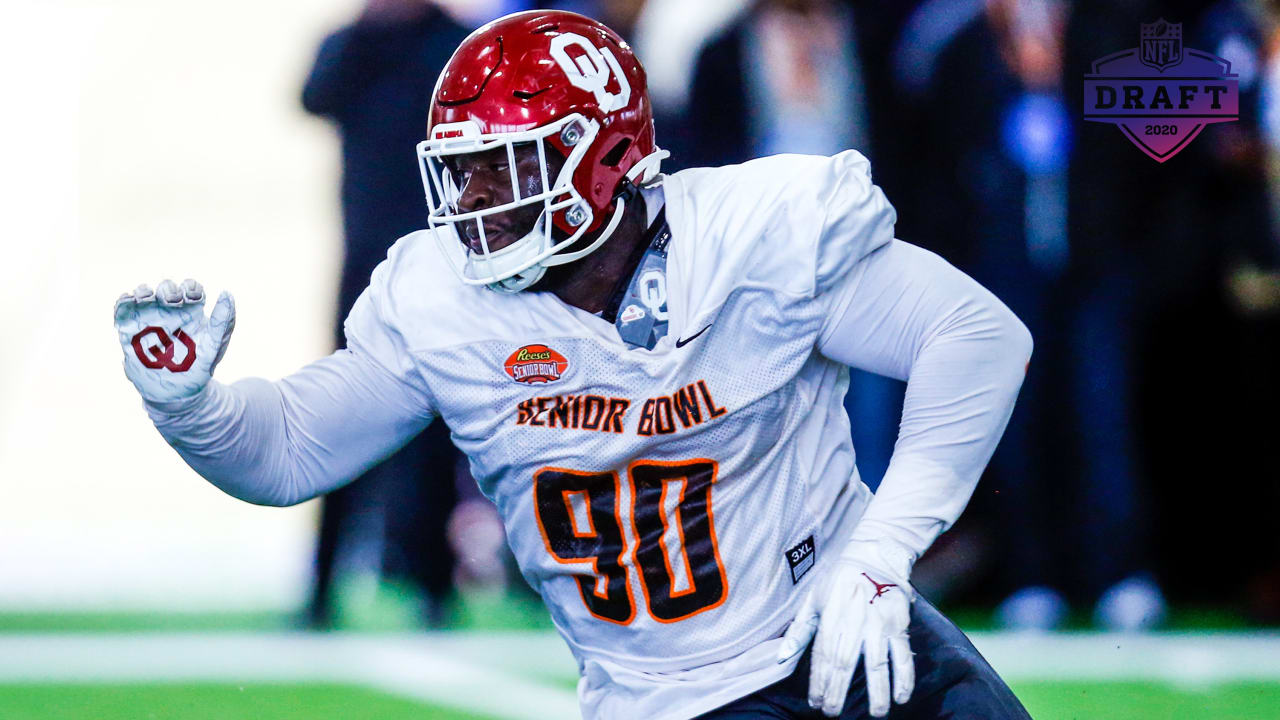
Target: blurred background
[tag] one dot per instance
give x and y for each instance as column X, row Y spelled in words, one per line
column 1119, row 559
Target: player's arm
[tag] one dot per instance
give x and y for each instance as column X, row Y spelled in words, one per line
column 905, row 313
column 897, row 310
column 270, row 443
column 908, row 314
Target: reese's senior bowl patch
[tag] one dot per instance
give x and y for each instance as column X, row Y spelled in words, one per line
column 536, row 364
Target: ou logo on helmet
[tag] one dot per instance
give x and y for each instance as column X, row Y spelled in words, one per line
column 591, row 70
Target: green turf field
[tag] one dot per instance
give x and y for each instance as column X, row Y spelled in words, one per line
column 1046, row 701
column 212, row 702
column 502, row 661
column 1148, row 701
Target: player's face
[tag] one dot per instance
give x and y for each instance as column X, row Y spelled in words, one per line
column 484, row 180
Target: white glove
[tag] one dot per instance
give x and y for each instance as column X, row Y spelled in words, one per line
column 170, row 349
column 861, row 607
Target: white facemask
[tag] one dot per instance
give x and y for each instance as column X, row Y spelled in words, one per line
column 522, row 263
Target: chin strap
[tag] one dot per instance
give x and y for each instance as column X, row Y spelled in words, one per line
column 519, row 281
column 648, row 166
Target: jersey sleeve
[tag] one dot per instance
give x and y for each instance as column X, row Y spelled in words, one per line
column 906, row 313
column 857, row 219
column 814, row 217
column 795, row 223
column 283, row 442
column 373, row 326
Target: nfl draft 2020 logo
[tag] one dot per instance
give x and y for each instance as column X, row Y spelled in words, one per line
column 536, row 364
column 1160, row 94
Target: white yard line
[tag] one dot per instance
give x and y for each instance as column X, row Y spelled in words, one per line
column 518, row 676
column 403, row 665
column 480, row 684
column 1202, row 658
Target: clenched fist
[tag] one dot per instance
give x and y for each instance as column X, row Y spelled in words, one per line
column 170, row 347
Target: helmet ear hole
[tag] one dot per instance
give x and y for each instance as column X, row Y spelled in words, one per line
column 616, row 153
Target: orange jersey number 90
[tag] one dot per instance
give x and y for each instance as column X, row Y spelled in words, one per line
column 581, row 518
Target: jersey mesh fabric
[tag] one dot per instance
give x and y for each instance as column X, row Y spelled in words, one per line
column 780, row 459
column 772, row 421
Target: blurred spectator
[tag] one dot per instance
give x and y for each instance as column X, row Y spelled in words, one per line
column 1212, row 388
column 1166, row 237
column 1087, row 240
column 1256, row 292
column 999, row 139
column 798, row 76
column 474, row 13
column 669, row 35
column 374, row 80
column 619, row 15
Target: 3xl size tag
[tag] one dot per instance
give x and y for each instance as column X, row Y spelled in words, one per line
column 800, row 558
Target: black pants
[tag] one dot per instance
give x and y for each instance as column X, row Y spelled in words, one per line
column 953, row 682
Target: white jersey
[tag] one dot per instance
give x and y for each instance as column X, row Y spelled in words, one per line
column 671, row 505
column 651, row 496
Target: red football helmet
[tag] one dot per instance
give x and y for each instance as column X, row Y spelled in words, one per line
column 541, row 78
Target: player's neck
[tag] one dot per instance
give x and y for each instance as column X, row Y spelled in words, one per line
column 588, row 283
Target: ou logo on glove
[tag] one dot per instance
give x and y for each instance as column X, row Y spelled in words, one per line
column 161, row 356
column 592, row 70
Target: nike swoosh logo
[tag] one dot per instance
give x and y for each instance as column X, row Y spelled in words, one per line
column 682, row 342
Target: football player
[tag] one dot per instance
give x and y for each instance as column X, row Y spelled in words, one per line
column 646, row 373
